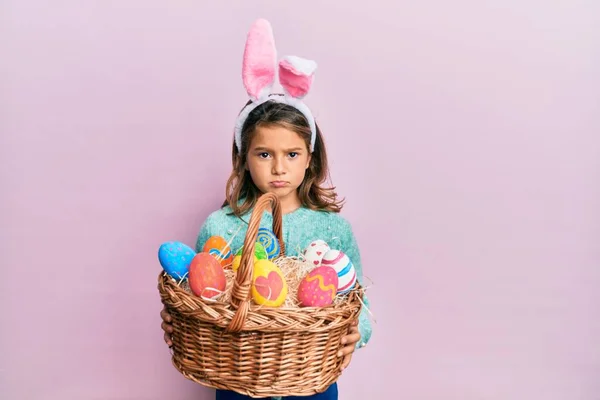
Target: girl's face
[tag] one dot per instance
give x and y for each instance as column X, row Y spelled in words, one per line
column 277, row 161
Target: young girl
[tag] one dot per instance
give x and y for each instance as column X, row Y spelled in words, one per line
column 278, row 148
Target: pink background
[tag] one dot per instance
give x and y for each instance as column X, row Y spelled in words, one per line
column 465, row 135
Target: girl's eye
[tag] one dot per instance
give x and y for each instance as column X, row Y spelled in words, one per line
column 293, row 155
column 263, row 155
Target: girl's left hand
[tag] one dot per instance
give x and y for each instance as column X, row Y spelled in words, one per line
column 349, row 341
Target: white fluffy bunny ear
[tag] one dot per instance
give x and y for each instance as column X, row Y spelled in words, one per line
column 260, row 61
column 296, row 75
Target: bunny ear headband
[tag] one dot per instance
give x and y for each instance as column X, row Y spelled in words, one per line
column 259, row 71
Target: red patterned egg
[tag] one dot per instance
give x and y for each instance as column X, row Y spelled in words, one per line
column 206, row 277
column 318, row 288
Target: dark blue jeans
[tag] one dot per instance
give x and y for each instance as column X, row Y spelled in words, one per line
column 330, row 394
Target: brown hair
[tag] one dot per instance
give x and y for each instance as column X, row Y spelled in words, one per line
column 311, row 192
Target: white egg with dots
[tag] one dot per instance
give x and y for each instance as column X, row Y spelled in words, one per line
column 315, row 252
column 344, row 268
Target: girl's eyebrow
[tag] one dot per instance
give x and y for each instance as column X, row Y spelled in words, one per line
column 262, row 148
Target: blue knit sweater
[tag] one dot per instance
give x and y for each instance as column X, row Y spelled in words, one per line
column 300, row 228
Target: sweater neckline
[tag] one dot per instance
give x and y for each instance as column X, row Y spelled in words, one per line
column 291, row 214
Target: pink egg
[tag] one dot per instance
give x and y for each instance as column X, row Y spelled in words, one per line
column 318, row 288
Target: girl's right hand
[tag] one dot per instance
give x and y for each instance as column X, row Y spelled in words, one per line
column 166, row 326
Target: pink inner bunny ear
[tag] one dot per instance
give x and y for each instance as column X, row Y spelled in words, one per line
column 260, row 60
column 296, row 75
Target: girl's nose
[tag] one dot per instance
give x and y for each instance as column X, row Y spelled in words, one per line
column 278, row 166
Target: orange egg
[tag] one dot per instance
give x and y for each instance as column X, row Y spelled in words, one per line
column 217, row 247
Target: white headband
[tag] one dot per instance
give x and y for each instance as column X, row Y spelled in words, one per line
column 259, row 72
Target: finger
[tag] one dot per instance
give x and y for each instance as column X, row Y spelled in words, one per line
column 352, row 336
column 352, row 331
column 346, row 362
column 166, row 327
column 351, row 339
column 168, row 340
column 344, row 351
column 165, row 315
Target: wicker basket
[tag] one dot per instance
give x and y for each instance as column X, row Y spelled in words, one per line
column 252, row 350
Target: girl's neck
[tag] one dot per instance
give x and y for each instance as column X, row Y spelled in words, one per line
column 288, row 204
column 289, row 207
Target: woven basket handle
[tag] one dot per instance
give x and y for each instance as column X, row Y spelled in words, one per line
column 240, row 292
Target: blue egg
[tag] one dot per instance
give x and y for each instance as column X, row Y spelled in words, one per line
column 175, row 258
column 267, row 238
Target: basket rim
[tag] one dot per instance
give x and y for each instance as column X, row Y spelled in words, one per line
column 170, row 282
column 260, row 318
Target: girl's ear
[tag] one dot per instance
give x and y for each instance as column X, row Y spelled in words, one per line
column 309, row 159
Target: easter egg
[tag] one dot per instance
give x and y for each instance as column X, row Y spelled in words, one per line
column 237, row 260
column 269, row 241
column 259, row 251
column 315, row 251
column 217, row 246
column 207, row 277
column 344, row 268
column 269, row 287
column 318, row 288
column 175, row 258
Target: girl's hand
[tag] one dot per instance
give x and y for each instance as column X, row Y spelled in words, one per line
column 349, row 341
column 166, row 326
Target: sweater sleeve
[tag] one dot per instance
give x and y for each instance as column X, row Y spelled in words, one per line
column 350, row 247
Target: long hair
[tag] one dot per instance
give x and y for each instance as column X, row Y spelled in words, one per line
column 241, row 193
